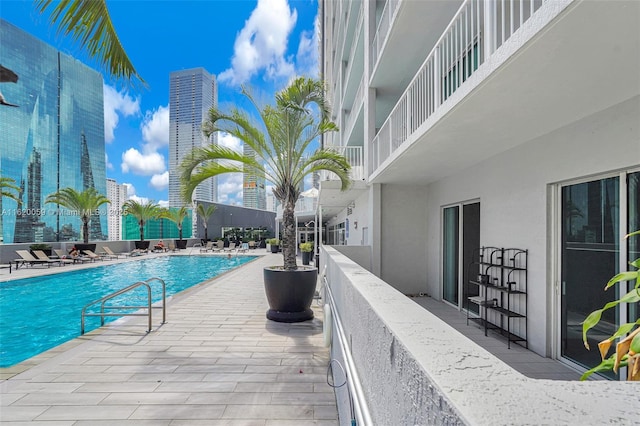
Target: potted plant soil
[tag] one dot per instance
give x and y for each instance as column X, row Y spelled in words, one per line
column 282, row 155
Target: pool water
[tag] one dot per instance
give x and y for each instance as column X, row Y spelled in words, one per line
column 37, row 314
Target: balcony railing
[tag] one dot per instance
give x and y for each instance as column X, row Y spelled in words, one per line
column 477, row 30
column 354, row 156
column 382, row 31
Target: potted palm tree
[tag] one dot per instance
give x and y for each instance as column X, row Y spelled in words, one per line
column 143, row 212
column 85, row 204
column 282, row 140
column 177, row 216
column 205, row 213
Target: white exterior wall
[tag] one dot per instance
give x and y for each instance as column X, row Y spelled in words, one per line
column 514, row 189
column 117, row 195
column 403, row 236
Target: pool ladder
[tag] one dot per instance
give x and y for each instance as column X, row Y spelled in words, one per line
column 133, row 286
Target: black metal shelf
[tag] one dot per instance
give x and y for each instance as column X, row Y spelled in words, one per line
column 501, row 288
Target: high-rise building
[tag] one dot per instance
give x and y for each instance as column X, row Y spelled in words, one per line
column 271, row 202
column 465, row 131
column 192, row 93
column 54, row 139
column 254, row 194
column 117, row 195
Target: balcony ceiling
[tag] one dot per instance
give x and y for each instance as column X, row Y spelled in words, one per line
column 586, row 60
column 333, row 200
column 418, row 26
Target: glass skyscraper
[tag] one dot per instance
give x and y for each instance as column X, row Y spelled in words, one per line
column 53, row 139
column 192, row 93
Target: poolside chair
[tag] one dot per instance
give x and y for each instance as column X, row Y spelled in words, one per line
column 92, row 255
column 27, row 258
column 172, row 247
column 43, row 256
column 218, row 246
column 231, row 247
column 75, row 259
column 208, row 247
column 108, row 252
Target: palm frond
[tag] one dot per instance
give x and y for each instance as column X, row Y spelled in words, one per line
column 89, row 24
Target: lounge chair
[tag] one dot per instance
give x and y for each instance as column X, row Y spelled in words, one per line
column 92, row 255
column 232, row 247
column 75, row 259
column 172, row 247
column 218, row 246
column 208, row 247
column 26, row 257
column 108, row 252
column 43, row 256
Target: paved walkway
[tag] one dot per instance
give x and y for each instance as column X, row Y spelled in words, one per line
column 217, row 361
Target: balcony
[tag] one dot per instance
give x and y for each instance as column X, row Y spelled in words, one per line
column 501, row 76
column 354, row 157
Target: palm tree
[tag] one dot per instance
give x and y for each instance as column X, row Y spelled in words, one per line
column 142, row 212
column 205, row 213
column 84, row 203
column 176, row 216
column 7, row 186
column 89, row 24
column 280, row 140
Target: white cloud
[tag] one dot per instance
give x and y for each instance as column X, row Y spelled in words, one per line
column 131, row 190
column 308, row 48
column 117, row 104
column 163, row 203
column 262, row 43
column 230, row 188
column 142, row 164
column 141, row 200
column 107, row 164
column 229, row 141
column 160, row 181
column 155, row 129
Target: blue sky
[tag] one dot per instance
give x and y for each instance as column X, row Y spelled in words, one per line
column 262, row 43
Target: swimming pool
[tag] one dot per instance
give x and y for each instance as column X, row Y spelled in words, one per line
column 37, row 314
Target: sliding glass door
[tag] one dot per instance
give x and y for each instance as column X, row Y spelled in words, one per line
column 594, row 218
column 461, row 239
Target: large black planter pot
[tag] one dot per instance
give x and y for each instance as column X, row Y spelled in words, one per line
column 274, row 248
column 290, row 293
column 181, row 244
column 306, row 257
column 81, row 247
column 142, row 245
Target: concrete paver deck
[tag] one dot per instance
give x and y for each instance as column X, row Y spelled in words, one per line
column 217, row 361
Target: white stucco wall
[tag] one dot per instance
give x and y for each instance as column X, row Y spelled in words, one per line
column 403, row 237
column 515, row 201
column 417, row 370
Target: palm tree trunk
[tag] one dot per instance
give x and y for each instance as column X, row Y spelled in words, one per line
column 85, row 231
column 289, row 235
column 141, row 231
column 205, row 234
column 180, row 233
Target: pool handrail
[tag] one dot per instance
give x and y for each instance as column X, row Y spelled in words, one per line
column 135, row 285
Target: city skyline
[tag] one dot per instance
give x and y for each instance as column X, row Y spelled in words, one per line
column 262, row 44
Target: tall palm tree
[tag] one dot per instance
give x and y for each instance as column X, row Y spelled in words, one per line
column 84, row 203
column 176, row 216
column 281, row 140
column 143, row 212
column 205, row 213
column 89, row 24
